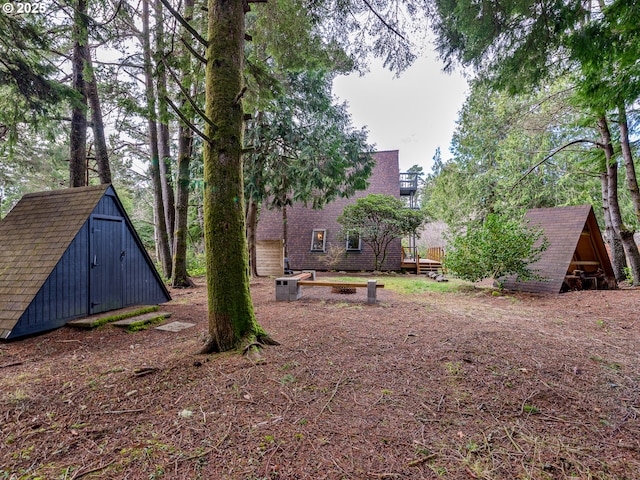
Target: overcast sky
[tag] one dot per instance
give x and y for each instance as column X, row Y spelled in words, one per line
column 414, row 113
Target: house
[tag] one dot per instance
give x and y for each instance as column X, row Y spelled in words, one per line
column 68, row 254
column 576, row 257
column 314, row 236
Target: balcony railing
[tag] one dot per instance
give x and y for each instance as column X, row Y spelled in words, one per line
column 408, row 183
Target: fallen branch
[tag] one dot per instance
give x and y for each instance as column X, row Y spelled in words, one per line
column 513, row 442
column 141, row 372
column 524, row 402
column 420, row 461
column 117, row 412
column 207, row 451
column 7, row 365
column 470, row 472
column 333, row 394
column 80, row 474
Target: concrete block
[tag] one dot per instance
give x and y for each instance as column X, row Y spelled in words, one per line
column 287, row 289
column 371, row 291
column 282, row 289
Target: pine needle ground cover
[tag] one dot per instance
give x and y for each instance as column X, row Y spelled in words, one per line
column 458, row 384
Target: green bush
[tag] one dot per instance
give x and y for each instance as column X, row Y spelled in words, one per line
column 497, row 248
column 196, row 264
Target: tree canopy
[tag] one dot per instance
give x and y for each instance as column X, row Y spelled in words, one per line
column 588, row 53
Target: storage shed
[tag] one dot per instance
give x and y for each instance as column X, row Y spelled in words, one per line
column 67, row 254
column 576, row 257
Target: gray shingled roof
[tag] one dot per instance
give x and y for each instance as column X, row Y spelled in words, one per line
column 562, row 227
column 33, row 238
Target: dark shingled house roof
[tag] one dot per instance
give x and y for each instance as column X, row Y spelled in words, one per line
column 575, row 243
column 34, row 237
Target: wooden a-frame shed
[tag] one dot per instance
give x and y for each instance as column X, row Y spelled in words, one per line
column 67, row 254
column 576, row 256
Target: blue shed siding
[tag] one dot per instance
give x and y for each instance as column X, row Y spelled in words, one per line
column 140, row 284
column 64, row 294
column 108, row 206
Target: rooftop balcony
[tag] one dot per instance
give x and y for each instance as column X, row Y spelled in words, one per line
column 408, row 184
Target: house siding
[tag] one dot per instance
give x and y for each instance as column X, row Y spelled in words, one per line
column 301, row 222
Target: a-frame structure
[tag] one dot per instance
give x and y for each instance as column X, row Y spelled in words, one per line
column 67, row 254
column 576, row 256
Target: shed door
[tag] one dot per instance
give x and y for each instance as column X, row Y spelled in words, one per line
column 105, row 278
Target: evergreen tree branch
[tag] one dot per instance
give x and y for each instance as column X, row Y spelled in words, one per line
column 184, row 23
column 186, row 94
column 548, row 157
column 187, row 122
column 115, row 13
column 386, row 24
column 193, row 51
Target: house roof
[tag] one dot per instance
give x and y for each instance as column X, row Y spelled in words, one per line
column 34, row 236
column 573, row 236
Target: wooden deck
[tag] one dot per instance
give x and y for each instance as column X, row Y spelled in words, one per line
column 412, row 261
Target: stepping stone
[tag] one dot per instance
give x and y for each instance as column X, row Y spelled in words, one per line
column 140, row 320
column 94, row 321
column 175, row 326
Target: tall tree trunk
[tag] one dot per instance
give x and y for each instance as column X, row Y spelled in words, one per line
column 180, row 276
column 252, row 225
column 164, row 139
column 628, row 242
column 627, row 155
column 154, row 169
column 285, row 230
column 78, row 138
column 618, row 258
column 200, row 209
column 97, row 125
column 232, row 320
column 253, row 206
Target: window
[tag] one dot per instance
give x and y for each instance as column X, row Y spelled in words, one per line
column 318, row 240
column 353, row 242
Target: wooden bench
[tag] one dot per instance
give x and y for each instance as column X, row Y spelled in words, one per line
column 288, row 288
column 302, row 276
column 371, row 285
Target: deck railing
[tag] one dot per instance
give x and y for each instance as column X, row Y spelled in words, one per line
column 408, row 183
column 410, row 254
column 435, row 253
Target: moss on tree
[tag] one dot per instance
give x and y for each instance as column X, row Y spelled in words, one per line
column 232, row 321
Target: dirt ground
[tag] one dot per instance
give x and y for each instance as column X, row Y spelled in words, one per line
column 455, row 385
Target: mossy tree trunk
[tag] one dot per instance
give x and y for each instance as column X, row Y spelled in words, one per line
column 78, row 137
column 232, row 321
column 162, row 240
column 618, row 257
column 626, row 235
column 97, row 125
column 164, row 137
column 180, row 276
column 627, row 155
column 252, row 226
